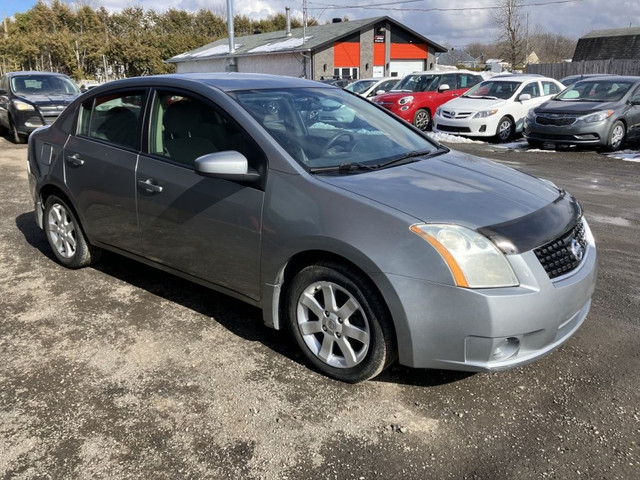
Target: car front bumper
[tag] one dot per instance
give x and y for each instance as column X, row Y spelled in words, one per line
column 577, row 134
column 492, row 329
column 468, row 127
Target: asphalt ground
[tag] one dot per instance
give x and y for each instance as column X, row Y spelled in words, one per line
column 120, row 371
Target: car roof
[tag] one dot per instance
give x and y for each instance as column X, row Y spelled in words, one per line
column 29, row 72
column 611, row 78
column 225, row 81
column 518, row 76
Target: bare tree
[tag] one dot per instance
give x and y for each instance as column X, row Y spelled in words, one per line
column 508, row 17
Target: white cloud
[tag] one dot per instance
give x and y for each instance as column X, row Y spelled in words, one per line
column 455, row 28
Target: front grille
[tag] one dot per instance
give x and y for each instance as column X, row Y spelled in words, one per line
column 449, row 128
column 563, row 254
column 555, row 119
column 454, row 114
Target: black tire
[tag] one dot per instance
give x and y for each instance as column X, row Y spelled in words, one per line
column 65, row 235
column 339, row 322
column 422, row 120
column 617, row 136
column 15, row 136
column 505, row 130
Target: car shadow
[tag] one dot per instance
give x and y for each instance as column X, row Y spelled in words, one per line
column 240, row 318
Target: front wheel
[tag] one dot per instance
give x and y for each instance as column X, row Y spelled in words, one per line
column 339, row 322
column 65, row 236
column 504, row 130
column 616, row 137
column 15, row 136
column 422, row 119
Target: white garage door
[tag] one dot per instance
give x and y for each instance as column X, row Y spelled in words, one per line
column 399, row 68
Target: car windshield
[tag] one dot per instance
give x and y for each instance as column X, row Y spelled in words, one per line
column 418, row 83
column 493, row 90
column 326, row 129
column 43, row 85
column 595, row 91
column 360, row 86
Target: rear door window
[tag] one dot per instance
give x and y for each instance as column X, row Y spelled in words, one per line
column 113, row 118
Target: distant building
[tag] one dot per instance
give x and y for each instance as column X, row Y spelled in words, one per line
column 455, row 57
column 373, row 47
column 617, row 44
column 532, row 58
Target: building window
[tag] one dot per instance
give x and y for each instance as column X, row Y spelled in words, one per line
column 350, row 73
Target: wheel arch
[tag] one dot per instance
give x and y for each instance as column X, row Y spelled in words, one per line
column 299, row 261
column 47, row 191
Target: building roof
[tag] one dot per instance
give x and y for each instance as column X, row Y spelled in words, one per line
column 316, row 37
column 454, row 57
column 616, row 43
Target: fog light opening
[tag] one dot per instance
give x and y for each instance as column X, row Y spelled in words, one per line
column 506, row 348
column 482, row 129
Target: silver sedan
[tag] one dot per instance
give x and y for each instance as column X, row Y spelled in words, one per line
column 365, row 239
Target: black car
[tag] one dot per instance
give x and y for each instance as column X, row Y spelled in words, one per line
column 29, row 100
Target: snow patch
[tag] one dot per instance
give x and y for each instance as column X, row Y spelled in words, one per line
column 626, row 155
column 445, row 137
column 284, row 45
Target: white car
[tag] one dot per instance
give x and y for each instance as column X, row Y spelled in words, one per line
column 496, row 107
column 370, row 87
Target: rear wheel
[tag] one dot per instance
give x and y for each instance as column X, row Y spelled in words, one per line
column 339, row 322
column 616, row 138
column 65, row 236
column 422, row 119
column 504, row 130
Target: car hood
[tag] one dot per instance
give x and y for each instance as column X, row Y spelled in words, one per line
column 579, row 108
column 44, row 100
column 473, row 104
column 452, row 188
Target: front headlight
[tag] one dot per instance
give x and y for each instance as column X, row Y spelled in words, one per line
column 405, row 100
column 474, row 261
column 485, row 113
column 597, row 117
column 22, row 106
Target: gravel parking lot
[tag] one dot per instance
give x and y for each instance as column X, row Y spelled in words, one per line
column 122, row 371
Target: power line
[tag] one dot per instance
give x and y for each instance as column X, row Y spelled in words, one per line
column 372, row 6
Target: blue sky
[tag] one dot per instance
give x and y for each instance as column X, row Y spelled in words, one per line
column 455, row 25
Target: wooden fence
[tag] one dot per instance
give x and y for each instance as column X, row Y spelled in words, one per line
column 564, row 69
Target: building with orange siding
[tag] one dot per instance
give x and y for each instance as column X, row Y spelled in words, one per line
column 373, row 47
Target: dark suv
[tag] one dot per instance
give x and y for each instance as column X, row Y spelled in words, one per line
column 29, row 100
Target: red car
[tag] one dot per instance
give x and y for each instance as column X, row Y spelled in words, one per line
column 417, row 96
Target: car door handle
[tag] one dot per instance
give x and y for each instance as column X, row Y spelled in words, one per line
column 75, row 160
column 149, row 186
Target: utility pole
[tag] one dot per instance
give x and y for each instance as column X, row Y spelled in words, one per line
column 232, row 66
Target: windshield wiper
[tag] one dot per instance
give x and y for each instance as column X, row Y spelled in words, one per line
column 410, row 157
column 344, row 168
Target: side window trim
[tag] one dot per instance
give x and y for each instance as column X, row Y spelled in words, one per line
column 139, row 125
column 148, row 124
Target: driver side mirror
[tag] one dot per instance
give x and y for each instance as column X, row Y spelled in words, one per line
column 524, row 97
column 444, row 87
column 228, row 165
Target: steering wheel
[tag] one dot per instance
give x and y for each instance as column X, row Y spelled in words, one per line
column 333, row 140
